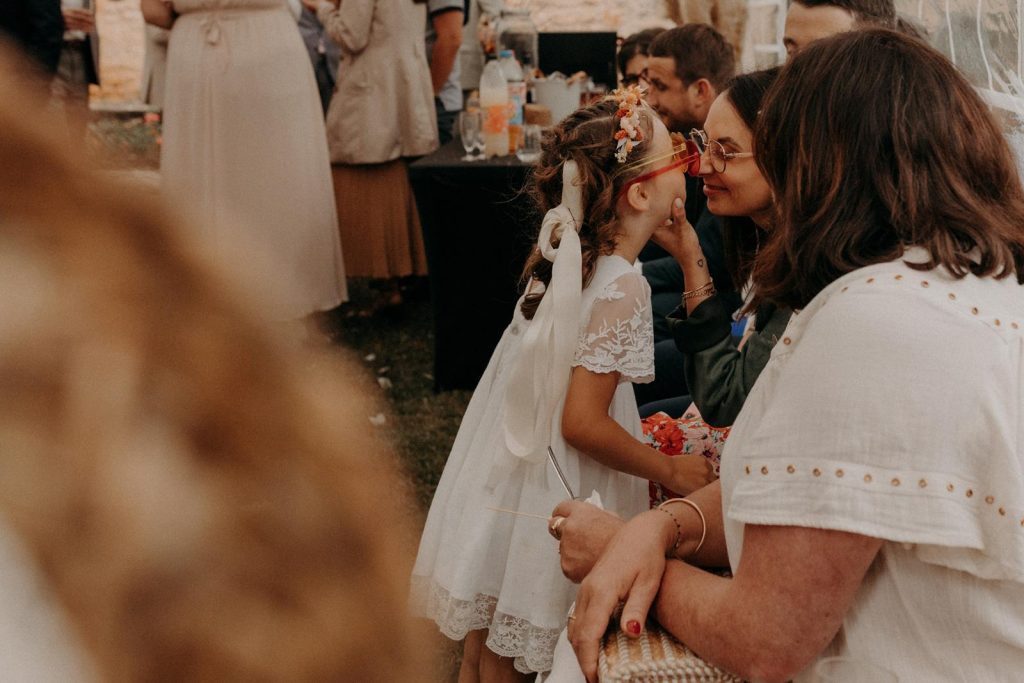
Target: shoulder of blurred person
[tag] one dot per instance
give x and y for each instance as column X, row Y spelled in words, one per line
column 383, row 105
column 450, row 94
column 201, row 497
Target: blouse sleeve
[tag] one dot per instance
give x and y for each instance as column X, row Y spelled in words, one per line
column 349, row 23
column 892, row 417
column 619, row 336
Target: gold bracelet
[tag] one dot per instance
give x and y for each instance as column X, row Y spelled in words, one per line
column 703, row 523
column 707, row 289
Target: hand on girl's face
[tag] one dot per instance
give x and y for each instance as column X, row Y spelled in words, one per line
column 676, row 236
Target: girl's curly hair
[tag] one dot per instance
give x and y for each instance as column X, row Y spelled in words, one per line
column 587, row 137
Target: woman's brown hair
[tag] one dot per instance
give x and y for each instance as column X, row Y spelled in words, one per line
column 872, row 142
column 741, row 236
column 588, row 137
column 205, row 500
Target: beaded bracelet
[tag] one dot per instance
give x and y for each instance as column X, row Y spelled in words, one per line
column 679, row 531
column 679, row 528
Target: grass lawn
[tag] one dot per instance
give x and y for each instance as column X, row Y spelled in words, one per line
column 396, row 345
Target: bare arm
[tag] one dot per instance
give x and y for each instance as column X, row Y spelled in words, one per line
column 587, row 425
column 785, row 604
column 158, row 13
column 448, row 27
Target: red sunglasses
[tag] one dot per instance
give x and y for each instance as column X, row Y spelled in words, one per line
column 684, row 153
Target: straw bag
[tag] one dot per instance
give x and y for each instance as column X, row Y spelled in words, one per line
column 654, row 657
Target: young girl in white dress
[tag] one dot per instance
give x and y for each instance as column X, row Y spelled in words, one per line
column 559, row 377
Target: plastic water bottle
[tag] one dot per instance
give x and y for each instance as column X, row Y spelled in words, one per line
column 516, row 96
column 494, row 102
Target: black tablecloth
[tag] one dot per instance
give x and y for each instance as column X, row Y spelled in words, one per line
column 478, row 228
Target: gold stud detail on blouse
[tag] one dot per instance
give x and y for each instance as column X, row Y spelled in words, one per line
column 1015, row 326
column 816, row 472
column 787, row 341
column 899, row 277
column 1002, row 512
column 998, row 322
column 895, row 481
column 764, row 470
column 952, row 296
column 791, row 469
column 970, row 493
column 867, row 478
column 924, row 283
column 870, row 280
column 922, row 483
column 989, row 499
column 747, row 468
column 974, row 310
column 950, row 488
column 844, row 289
column 840, row 473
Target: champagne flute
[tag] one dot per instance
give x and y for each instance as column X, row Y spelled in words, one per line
column 469, row 132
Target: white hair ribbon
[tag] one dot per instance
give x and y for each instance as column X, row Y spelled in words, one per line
column 539, row 378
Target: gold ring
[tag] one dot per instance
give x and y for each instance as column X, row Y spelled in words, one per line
column 554, row 528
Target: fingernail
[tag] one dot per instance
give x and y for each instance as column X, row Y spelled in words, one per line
column 633, row 626
column 678, row 203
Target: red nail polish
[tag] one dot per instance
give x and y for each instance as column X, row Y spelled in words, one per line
column 633, row 626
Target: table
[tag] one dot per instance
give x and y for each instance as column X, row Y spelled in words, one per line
column 478, row 229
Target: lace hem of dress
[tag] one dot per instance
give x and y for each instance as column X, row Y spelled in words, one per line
column 508, row 636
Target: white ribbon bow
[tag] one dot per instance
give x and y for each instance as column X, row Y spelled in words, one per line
column 540, row 376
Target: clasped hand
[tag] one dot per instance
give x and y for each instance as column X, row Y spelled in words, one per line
column 617, row 562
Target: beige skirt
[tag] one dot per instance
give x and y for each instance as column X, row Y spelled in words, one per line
column 378, row 221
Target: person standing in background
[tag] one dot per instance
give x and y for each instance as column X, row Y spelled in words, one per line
column 35, row 27
column 379, row 117
column 245, row 148
column 154, row 71
column 444, row 39
column 78, row 66
column 323, row 53
column 471, row 54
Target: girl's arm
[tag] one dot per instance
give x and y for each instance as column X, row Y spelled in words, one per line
column 588, row 427
column 158, row 13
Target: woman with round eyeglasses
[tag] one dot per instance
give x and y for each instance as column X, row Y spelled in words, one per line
column 719, row 371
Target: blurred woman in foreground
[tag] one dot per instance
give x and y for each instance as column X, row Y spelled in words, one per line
column 182, row 496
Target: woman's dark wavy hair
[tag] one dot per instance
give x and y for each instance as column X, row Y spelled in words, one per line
column 741, row 235
column 872, row 142
column 586, row 136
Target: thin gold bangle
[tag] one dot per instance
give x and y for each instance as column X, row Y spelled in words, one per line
column 703, row 523
column 707, row 289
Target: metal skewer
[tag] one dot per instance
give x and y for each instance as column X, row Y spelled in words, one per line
column 561, row 475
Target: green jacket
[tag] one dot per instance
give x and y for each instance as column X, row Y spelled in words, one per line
column 719, row 375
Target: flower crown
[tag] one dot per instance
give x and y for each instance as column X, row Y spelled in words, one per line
column 629, row 134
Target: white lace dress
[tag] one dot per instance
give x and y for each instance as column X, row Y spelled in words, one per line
column 480, row 569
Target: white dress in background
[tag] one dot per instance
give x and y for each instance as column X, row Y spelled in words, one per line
column 894, row 408
column 245, row 151
column 480, row 569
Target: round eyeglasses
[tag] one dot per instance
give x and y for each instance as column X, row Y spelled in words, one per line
column 713, row 149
